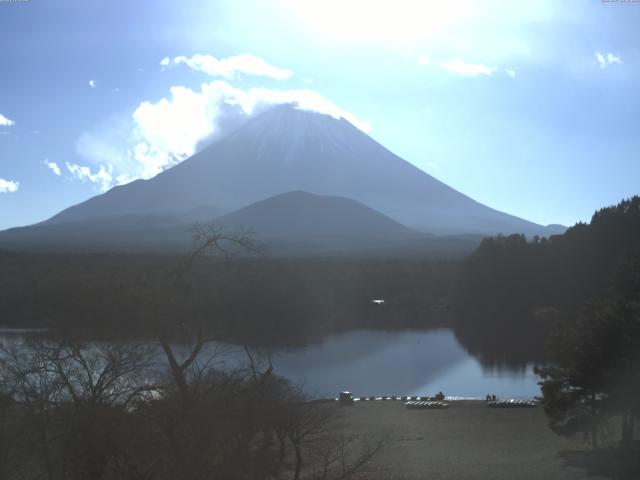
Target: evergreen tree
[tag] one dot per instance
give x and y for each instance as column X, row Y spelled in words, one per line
column 594, row 373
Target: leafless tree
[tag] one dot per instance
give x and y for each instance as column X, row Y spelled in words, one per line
column 211, row 239
column 110, row 411
column 73, row 397
column 340, row 456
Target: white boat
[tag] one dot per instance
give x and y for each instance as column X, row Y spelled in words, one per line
column 429, row 405
column 511, row 404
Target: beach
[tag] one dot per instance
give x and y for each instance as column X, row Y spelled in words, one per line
column 466, row 441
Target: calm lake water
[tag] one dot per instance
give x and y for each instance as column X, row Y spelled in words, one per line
column 408, row 362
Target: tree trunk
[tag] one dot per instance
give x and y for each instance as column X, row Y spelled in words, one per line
column 177, row 372
column 4, row 445
column 594, row 429
column 296, row 475
column 282, row 450
column 628, row 425
column 594, row 436
column 46, row 454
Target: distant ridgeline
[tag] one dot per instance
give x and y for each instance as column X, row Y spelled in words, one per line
column 511, row 291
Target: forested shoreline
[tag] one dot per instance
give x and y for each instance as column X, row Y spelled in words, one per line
column 575, row 299
column 502, row 301
column 511, row 292
column 254, row 300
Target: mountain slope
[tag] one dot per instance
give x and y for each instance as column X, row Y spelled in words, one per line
column 304, row 216
column 302, row 224
column 151, row 233
column 286, row 149
column 290, row 224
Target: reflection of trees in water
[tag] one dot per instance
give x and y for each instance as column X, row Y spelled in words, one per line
column 500, row 343
column 511, row 291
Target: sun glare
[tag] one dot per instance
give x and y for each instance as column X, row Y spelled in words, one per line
column 382, row 21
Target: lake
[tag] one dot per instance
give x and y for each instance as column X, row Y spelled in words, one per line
column 374, row 362
column 408, row 362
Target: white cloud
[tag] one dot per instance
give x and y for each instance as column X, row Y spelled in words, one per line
column 161, row 134
column 8, row 186
column 103, row 177
column 305, row 99
column 611, row 58
column 608, row 59
column 5, row 122
column 92, row 83
column 464, row 69
column 53, row 166
column 170, row 130
column 229, row 67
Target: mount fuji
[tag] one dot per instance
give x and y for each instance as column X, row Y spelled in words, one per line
column 282, row 150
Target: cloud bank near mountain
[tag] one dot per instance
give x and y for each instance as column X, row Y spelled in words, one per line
column 161, row 134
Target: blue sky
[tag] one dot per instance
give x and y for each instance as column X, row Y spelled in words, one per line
column 528, row 107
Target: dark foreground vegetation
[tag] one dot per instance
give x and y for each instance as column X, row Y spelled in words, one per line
column 581, row 293
column 108, row 411
column 591, row 383
column 256, row 300
column 511, row 292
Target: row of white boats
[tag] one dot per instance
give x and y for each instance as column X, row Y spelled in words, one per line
column 437, row 402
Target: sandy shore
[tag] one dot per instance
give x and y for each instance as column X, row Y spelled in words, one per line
column 466, row 441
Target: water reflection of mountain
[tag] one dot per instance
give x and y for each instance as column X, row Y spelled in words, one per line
column 375, row 362
column 395, row 363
